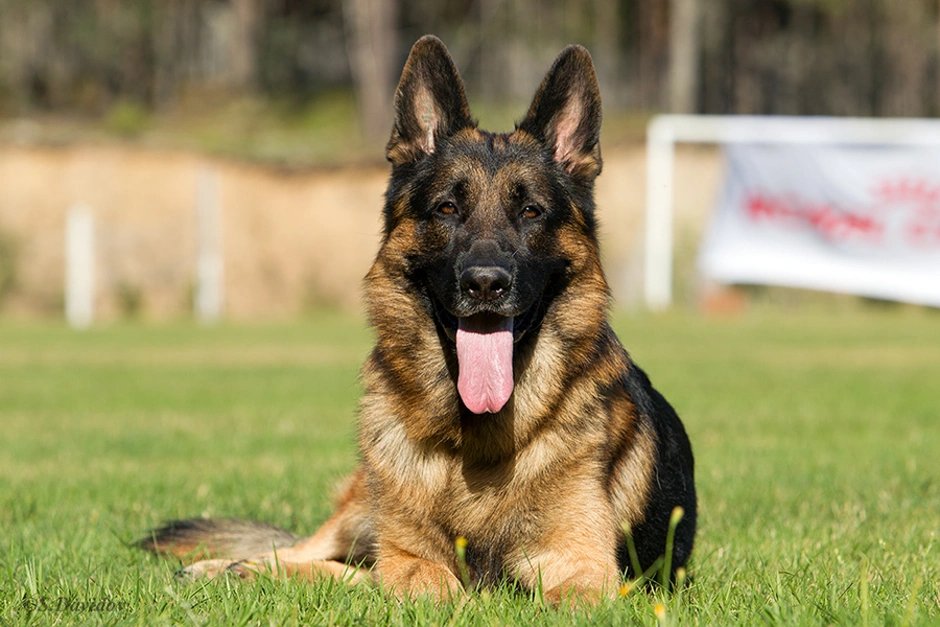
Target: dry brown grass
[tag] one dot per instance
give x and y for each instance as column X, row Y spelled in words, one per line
column 293, row 240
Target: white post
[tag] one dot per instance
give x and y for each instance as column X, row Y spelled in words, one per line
column 660, row 146
column 209, row 270
column 79, row 267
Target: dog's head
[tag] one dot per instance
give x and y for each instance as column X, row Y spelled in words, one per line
column 491, row 228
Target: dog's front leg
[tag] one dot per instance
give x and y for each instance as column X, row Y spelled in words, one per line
column 573, row 564
column 286, row 565
column 566, row 577
column 282, row 564
column 407, row 575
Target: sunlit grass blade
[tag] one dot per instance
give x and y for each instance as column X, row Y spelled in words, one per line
column 460, row 547
column 674, row 520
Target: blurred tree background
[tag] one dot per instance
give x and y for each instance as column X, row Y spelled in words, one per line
column 819, row 57
column 143, row 96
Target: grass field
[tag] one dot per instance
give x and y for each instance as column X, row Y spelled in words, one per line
column 817, row 441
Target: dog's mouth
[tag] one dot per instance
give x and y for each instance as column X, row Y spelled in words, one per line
column 485, row 343
column 450, row 323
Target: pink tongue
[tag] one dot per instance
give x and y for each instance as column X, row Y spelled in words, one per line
column 484, row 357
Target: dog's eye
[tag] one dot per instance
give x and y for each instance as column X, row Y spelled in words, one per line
column 531, row 212
column 447, row 208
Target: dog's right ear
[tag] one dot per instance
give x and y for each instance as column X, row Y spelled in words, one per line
column 430, row 103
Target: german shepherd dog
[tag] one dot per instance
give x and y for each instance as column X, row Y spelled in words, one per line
column 500, row 410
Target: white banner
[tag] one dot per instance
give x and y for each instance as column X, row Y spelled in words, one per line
column 860, row 220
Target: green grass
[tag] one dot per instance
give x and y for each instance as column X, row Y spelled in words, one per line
column 316, row 131
column 817, row 440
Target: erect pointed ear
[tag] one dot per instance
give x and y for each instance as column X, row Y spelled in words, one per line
column 430, row 102
column 566, row 113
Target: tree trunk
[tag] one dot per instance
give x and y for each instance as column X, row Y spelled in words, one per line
column 683, row 55
column 370, row 27
column 606, row 53
column 246, row 16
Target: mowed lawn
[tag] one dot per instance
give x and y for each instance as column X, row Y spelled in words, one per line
column 817, row 443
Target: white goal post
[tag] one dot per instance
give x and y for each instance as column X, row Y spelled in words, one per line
column 665, row 131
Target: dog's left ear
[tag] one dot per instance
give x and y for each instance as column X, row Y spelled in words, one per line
column 566, row 114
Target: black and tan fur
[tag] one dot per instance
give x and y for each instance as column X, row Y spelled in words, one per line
column 584, row 447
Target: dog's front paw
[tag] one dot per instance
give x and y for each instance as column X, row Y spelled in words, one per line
column 249, row 569
column 206, row 569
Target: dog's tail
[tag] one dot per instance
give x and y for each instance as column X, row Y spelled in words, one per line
column 215, row 538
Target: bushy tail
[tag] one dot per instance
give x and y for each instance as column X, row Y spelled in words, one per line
column 219, row 538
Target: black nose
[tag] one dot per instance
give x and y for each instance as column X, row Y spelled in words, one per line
column 485, row 283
